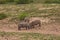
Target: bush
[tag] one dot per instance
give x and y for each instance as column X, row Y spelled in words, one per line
column 6, row 1
column 2, row 1
column 2, row 16
column 22, row 15
column 53, row 1
column 22, row 1
column 10, row 0
column 15, row 1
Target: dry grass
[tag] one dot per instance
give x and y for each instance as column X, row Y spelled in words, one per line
column 26, row 36
column 46, row 11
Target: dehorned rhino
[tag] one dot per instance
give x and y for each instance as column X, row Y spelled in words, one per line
column 36, row 22
column 23, row 25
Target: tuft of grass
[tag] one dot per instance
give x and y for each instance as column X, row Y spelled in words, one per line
column 2, row 16
column 22, row 15
column 29, row 36
column 53, row 1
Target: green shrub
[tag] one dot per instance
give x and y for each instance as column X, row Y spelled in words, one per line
column 15, row 1
column 10, row 0
column 53, row 1
column 22, row 1
column 6, row 1
column 2, row 1
column 22, row 15
column 2, row 16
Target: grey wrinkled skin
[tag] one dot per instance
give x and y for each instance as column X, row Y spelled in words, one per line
column 26, row 20
column 36, row 22
column 23, row 25
column 27, row 25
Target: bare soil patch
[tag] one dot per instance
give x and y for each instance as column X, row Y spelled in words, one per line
column 46, row 28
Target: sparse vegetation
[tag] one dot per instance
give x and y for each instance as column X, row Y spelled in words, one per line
column 28, row 1
column 2, row 16
column 22, row 1
column 53, row 1
column 15, row 1
column 28, row 36
column 22, row 15
column 6, row 1
column 24, row 8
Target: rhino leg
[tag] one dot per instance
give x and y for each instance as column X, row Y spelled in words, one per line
column 19, row 27
column 40, row 24
column 26, row 28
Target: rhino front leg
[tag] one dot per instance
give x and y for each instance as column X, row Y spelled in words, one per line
column 19, row 27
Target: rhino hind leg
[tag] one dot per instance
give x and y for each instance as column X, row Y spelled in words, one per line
column 26, row 28
column 39, row 24
column 19, row 28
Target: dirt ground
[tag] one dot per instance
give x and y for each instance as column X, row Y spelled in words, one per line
column 46, row 28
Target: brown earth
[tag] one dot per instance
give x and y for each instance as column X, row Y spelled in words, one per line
column 46, row 27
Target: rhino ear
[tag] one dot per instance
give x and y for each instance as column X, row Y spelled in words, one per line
column 26, row 19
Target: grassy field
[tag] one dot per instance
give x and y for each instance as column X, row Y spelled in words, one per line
column 27, row 36
column 35, row 10
column 28, row 1
column 51, row 11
